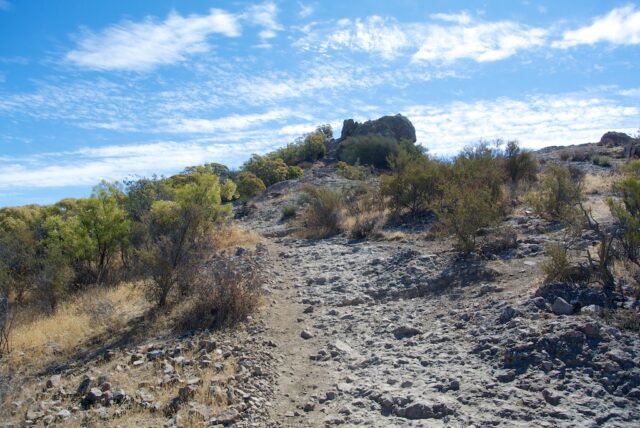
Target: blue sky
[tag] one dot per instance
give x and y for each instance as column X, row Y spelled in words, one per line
column 111, row 89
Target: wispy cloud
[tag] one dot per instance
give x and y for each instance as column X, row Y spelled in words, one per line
column 5, row 5
column 228, row 123
column 142, row 46
column 306, row 10
column 621, row 26
column 448, row 38
column 481, row 42
column 264, row 15
column 537, row 121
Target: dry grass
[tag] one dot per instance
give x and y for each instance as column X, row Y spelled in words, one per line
column 234, row 236
column 598, row 184
column 91, row 313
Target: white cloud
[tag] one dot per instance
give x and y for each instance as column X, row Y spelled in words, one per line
column 265, row 15
column 228, row 123
column 142, row 46
column 480, row 42
column 537, row 121
column 621, row 26
column 374, row 34
column 454, row 37
column 306, row 10
column 459, row 18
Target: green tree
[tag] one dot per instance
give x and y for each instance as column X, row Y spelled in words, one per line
column 178, row 234
column 249, row 185
column 101, row 229
column 270, row 171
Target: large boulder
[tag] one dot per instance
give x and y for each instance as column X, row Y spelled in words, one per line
column 397, row 127
column 615, row 139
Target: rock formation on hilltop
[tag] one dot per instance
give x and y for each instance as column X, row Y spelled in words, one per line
column 398, row 127
column 620, row 139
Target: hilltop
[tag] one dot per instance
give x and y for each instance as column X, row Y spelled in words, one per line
column 381, row 288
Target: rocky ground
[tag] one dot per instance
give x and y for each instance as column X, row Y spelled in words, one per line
column 399, row 330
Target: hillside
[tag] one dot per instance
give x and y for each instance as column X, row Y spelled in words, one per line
column 391, row 319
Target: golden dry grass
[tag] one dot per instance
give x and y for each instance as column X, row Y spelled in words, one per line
column 234, row 236
column 597, row 184
column 89, row 314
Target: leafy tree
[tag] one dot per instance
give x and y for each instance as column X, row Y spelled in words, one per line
column 249, row 185
column 19, row 247
column 178, row 234
column 101, row 229
column 520, row 165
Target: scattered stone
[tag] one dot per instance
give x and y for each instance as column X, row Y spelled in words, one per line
column 404, row 332
column 561, row 307
column 306, row 334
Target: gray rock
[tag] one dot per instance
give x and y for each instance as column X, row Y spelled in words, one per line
column 507, row 314
column 227, row 416
column 561, row 307
column 53, row 382
column 403, row 332
column 305, row 334
column 424, row 410
column 397, row 127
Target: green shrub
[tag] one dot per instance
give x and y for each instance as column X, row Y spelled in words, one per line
column 323, row 215
column 626, row 211
column 269, row 170
column 228, row 293
column 364, row 212
column 558, row 266
column 177, row 235
column 415, row 183
column 309, row 148
column 558, row 193
column 294, row 172
column 473, row 194
column 248, row 185
column 520, row 165
column 289, row 212
column 603, row 161
column 368, row 150
column 353, row 172
column 101, row 230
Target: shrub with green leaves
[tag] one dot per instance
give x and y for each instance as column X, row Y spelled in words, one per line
column 177, row 233
column 289, row 212
column 269, row 170
column 373, row 150
column 249, row 185
column 473, row 194
column 415, row 184
column 558, row 194
column 603, row 161
column 558, row 266
column 308, row 148
column 626, row 210
column 520, row 165
column 323, row 214
column 353, row 172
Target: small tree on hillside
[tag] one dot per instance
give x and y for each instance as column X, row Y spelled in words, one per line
column 178, row 232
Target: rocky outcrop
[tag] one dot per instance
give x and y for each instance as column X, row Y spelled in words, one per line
column 620, row 139
column 397, row 127
column 615, row 139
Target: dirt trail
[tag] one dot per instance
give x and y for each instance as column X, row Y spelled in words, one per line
column 298, row 379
